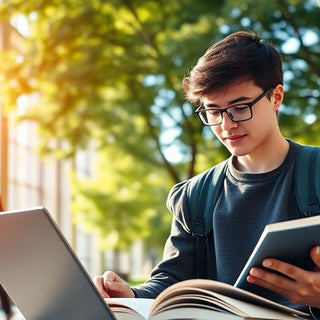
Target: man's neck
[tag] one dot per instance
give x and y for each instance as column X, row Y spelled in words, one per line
column 270, row 158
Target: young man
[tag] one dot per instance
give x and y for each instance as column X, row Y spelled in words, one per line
column 239, row 85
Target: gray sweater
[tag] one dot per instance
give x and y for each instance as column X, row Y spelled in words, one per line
column 246, row 204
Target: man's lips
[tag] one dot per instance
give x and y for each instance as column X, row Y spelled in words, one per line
column 234, row 138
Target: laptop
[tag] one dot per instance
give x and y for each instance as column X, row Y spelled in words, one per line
column 41, row 273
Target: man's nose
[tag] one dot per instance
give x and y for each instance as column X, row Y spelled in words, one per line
column 227, row 123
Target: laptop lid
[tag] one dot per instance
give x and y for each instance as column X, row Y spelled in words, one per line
column 41, row 273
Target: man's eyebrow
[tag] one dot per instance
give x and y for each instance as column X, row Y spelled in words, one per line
column 240, row 99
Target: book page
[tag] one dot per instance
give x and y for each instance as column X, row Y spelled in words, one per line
column 189, row 313
column 197, row 298
column 212, row 286
column 207, row 300
column 141, row 306
column 255, row 311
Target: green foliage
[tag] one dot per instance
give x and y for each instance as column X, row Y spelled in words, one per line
column 111, row 72
column 122, row 201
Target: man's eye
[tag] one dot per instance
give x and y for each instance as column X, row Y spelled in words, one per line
column 240, row 109
column 214, row 112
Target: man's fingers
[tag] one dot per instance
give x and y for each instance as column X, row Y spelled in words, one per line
column 315, row 255
column 111, row 285
column 99, row 283
column 110, row 277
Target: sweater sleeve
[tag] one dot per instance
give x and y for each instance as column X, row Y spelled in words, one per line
column 179, row 258
column 178, row 263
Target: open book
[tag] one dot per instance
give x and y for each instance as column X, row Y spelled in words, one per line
column 201, row 299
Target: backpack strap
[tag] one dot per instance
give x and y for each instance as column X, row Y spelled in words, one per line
column 202, row 195
column 307, row 180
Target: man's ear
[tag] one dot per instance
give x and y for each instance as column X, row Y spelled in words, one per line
column 278, row 94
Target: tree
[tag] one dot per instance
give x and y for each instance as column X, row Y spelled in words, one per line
column 115, row 80
column 111, row 71
column 129, row 205
column 122, row 202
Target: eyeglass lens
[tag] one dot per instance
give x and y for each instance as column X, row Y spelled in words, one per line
column 235, row 113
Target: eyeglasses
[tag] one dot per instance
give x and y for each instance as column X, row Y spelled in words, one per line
column 237, row 113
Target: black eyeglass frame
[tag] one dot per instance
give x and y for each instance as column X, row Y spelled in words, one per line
column 248, row 104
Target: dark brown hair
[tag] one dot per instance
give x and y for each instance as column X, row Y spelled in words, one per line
column 241, row 55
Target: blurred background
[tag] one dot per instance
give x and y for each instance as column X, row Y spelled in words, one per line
column 94, row 123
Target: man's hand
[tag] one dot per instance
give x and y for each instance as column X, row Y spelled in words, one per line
column 303, row 287
column 110, row 285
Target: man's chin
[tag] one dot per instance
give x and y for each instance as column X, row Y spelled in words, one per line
column 236, row 152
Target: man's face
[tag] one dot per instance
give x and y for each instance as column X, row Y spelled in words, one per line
column 247, row 137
